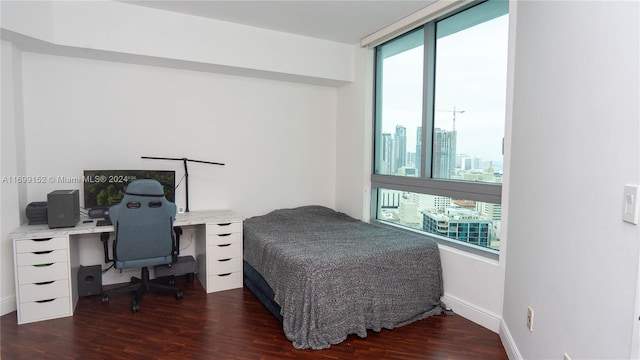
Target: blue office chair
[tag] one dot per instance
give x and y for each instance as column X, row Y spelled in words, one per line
column 143, row 223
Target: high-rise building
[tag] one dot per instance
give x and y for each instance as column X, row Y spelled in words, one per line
column 411, row 159
column 389, row 199
column 408, row 171
column 458, row 225
column 408, row 213
column 460, row 160
column 444, row 153
column 492, row 211
column 400, row 148
column 386, row 154
column 466, row 162
column 434, row 202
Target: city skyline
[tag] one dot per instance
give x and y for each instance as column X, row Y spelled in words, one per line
column 446, row 158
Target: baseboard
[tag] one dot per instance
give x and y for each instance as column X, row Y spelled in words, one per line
column 7, row 305
column 472, row 312
column 508, row 342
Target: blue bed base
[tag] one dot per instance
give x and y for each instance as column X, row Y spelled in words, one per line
column 261, row 289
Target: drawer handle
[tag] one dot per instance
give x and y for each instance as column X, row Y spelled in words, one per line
column 223, row 245
column 42, row 252
column 43, row 265
column 45, row 301
column 224, row 234
column 225, row 224
column 222, row 260
column 227, row 274
column 43, row 239
column 44, row 283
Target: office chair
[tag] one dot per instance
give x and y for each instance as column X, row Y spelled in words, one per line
column 143, row 223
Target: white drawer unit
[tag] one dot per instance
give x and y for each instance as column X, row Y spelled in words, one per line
column 33, row 292
column 222, row 239
column 43, row 281
column 41, row 257
column 40, row 245
column 44, row 309
column 224, row 281
column 224, row 228
column 32, row 274
column 223, row 268
column 226, row 251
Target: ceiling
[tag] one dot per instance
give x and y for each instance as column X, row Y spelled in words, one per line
column 340, row 21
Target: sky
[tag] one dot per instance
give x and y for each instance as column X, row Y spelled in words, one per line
column 471, row 69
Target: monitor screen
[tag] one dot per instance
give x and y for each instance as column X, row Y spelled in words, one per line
column 103, row 188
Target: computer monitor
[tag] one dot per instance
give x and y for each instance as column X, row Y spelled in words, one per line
column 103, row 188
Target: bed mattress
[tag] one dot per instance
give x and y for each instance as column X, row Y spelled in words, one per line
column 332, row 275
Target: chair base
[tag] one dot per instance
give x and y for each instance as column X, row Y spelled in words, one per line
column 140, row 286
column 184, row 265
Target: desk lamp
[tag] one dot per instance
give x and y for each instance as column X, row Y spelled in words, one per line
column 186, row 172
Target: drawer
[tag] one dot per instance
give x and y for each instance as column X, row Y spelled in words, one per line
column 222, row 239
column 224, row 228
column 224, row 266
column 44, row 257
column 35, row 245
column 224, row 281
column 43, row 310
column 37, row 274
column 224, row 251
column 44, row 291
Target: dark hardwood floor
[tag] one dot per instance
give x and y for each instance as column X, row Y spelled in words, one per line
column 231, row 324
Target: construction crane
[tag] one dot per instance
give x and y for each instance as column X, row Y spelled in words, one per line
column 454, row 111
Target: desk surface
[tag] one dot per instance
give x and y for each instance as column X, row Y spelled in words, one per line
column 190, row 218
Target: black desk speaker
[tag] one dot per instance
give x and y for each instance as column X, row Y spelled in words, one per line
column 89, row 280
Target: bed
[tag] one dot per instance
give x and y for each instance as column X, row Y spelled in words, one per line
column 325, row 275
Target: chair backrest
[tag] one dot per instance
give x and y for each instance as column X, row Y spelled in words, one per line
column 143, row 223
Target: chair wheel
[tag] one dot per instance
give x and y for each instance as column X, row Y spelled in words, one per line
column 190, row 277
column 105, row 299
column 178, row 294
column 134, row 306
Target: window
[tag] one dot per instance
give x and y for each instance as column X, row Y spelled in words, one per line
column 439, row 127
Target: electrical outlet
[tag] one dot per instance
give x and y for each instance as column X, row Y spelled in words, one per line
column 530, row 318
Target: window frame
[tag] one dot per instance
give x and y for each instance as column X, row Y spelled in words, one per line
column 425, row 183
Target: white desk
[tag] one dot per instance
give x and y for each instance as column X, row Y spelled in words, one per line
column 47, row 261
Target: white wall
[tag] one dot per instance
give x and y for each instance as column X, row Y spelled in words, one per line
column 74, row 112
column 12, row 194
column 354, row 136
column 575, row 145
column 277, row 139
column 118, row 30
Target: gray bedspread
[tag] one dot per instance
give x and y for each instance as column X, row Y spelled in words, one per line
column 333, row 275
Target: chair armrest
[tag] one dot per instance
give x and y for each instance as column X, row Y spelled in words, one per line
column 177, row 231
column 104, row 237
